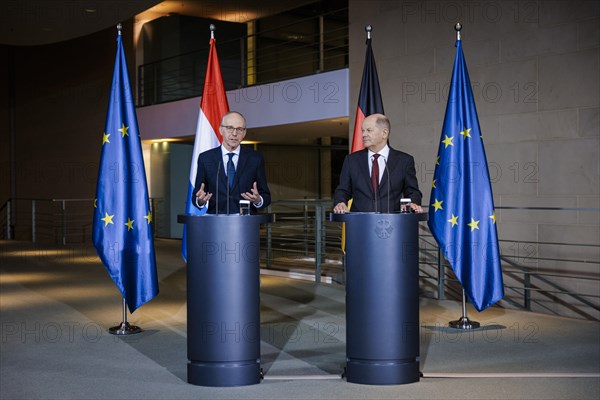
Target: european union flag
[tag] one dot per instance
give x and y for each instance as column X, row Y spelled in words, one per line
column 461, row 212
column 122, row 231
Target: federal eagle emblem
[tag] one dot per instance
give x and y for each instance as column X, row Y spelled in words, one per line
column 383, row 229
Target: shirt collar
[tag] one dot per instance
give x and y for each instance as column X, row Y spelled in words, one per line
column 385, row 152
column 224, row 151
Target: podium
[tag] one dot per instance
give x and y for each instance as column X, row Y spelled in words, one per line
column 223, row 298
column 382, row 297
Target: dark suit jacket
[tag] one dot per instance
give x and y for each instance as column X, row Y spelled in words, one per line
column 355, row 183
column 250, row 169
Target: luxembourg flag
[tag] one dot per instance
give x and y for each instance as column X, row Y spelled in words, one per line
column 212, row 108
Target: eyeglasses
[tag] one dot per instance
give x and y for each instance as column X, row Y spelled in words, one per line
column 230, row 129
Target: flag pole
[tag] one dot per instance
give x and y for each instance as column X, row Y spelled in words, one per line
column 124, row 328
column 457, row 28
column 463, row 322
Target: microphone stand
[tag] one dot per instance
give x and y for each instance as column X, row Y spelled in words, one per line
column 375, row 191
column 389, row 193
column 228, row 195
column 218, row 170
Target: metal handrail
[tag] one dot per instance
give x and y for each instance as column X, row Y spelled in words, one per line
column 224, row 42
column 5, row 223
column 177, row 82
column 312, row 240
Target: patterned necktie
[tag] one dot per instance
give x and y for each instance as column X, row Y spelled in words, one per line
column 375, row 173
column 230, row 169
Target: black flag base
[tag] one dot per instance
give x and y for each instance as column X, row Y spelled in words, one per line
column 464, row 322
column 124, row 328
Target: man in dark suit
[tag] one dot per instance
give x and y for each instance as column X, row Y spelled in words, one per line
column 229, row 173
column 377, row 177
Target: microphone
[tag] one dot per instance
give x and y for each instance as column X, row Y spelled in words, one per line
column 386, row 171
column 217, row 186
column 227, row 184
column 375, row 191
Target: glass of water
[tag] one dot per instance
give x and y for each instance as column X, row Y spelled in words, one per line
column 405, row 206
column 244, row 207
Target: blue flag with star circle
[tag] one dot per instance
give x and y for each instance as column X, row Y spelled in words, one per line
column 461, row 211
column 122, row 226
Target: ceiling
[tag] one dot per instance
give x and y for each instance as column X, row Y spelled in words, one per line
column 222, row 10
column 39, row 22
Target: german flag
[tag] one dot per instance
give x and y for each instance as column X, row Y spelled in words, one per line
column 369, row 102
column 369, row 99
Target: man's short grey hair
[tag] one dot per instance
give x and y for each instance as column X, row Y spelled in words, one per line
column 233, row 112
column 384, row 123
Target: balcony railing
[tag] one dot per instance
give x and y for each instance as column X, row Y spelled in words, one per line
column 304, row 47
column 559, row 278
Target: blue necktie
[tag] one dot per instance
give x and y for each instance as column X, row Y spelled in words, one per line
column 230, row 169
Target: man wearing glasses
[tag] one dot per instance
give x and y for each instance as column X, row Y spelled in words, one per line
column 229, row 173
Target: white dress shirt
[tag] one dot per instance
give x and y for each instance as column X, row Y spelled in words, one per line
column 382, row 160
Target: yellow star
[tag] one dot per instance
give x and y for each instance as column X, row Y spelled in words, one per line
column 438, row 205
column 437, row 160
column 465, row 133
column 453, row 220
column 433, row 184
column 123, row 130
column 493, row 217
column 149, row 217
column 107, row 219
column 129, row 224
column 105, row 138
column 474, row 224
column 448, row 141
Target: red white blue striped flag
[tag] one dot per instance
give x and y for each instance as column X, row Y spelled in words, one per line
column 212, row 108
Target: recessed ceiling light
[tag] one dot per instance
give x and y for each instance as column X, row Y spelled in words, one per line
column 90, row 10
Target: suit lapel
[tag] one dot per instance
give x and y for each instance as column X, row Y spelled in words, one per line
column 221, row 167
column 242, row 161
column 364, row 168
column 389, row 166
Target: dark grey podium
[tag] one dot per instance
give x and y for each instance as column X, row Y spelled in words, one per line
column 382, row 297
column 223, row 299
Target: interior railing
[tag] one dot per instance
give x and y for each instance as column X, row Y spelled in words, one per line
column 269, row 55
column 561, row 278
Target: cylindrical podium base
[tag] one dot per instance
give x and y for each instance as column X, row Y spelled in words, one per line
column 223, row 299
column 233, row 374
column 387, row 373
column 382, row 298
